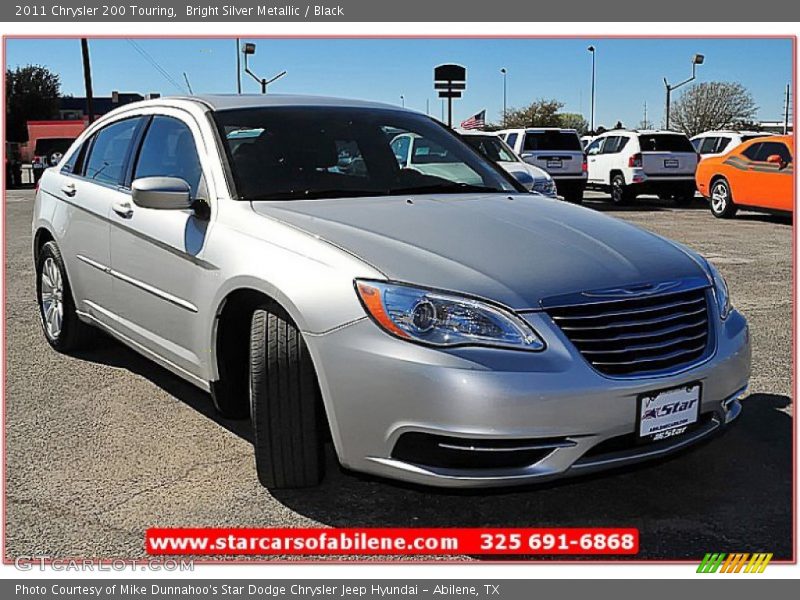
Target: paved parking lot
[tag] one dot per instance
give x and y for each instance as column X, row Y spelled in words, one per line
column 103, row 445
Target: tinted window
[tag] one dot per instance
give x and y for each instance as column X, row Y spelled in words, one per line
column 331, row 152
column 491, row 147
column 697, row 143
column 707, row 145
column 752, row 151
column 552, row 140
column 722, row 144
column 767, row 149
column 614, row 144
column 665, row 142
column 109, row 153
column 168, row 150
column 511, row 139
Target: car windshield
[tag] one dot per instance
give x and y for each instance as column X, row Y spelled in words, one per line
column 492, row 147
column 295, row 153
column 552, row 140
column 665, row 142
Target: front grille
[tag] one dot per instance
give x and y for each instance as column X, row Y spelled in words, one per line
column 637, row 336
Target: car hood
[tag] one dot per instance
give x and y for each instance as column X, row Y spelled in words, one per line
column 516, row 250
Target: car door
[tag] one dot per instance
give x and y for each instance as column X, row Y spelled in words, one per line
column 88, row 187
column 770, row 184
column 594, row 161
column 156, row 254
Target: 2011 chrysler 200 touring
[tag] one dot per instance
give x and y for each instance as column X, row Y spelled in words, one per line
column 442, row 327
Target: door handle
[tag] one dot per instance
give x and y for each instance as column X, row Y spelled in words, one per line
column 123, row 209
column 69, row 189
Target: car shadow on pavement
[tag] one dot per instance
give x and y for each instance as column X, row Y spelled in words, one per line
column 733, row 492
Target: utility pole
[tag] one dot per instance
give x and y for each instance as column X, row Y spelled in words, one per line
column 238, row 69
column 786, row 112
column 87, row 79
column 591, row 109
column 645, row 124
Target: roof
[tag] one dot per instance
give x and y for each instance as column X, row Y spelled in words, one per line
column 460, row 131
column 219, row 102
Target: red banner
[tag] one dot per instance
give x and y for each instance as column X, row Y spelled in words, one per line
column 389, row 541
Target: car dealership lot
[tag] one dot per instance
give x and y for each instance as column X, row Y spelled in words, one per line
column 102, row 445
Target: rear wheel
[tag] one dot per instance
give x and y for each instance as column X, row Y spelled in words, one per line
column 721, row 200
column 62, row 328
column 620, row 192
column 285, row 404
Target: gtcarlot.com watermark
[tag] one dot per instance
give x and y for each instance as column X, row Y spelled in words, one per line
column 41, row 563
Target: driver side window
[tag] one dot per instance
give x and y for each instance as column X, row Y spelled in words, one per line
column 168, row 150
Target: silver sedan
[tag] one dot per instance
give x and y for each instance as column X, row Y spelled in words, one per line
column 428, row 316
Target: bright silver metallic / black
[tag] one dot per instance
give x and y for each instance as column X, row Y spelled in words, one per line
column 300, row 260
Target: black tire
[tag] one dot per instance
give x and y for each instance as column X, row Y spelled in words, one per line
column 574, row 195
column 285, row 404
column 73, row 334
column 620, row 192
column 721, row 200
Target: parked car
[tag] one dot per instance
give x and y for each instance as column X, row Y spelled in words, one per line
column 633, row 162
column 557, row 151
column 47, row 153
column 495, row 149
column 436, row 331
column 714, row 143
column 586, row 140
column 756, row 175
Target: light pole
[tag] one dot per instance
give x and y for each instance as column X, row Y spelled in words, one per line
column 504, row 73
column 697, row 59
column 591, row 49
column 238, row 69
column 402, row 101
column 249, row 49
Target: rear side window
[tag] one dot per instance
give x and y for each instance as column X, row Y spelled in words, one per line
column 614, row 144
column 109, row 153
column 707, row 145
column 665, row 142
column 552, row 140
column 722, row 144
column 168, row 150
column 511, row 140
column 767, row 149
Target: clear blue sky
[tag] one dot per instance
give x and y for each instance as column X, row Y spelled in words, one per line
column 629, row 72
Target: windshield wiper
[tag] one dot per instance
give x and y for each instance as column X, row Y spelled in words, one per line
column 446, row 188
column 316, row 194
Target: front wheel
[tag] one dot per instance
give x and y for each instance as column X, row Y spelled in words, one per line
column 285, row 404
column 63, row 330
column 721, row 200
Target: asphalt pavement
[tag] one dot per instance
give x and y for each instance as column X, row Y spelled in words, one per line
column 104, row 444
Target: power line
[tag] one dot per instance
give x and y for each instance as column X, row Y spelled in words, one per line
column 156, row 66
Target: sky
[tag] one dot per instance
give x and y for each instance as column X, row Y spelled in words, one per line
column 629, row 72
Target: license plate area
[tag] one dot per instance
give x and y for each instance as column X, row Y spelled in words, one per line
column 671, row 163
column 554, row 163
column 663, row 414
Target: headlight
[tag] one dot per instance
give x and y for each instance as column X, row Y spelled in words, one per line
column 442, row 319
column 721, row 293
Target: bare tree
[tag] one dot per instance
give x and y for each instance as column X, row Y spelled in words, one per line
column 712, row 105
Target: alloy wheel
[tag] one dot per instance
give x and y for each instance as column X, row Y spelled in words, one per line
column 52, row 298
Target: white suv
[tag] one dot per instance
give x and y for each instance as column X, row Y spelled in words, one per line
column 715, row 143
column 557, row 151
column 633, row 162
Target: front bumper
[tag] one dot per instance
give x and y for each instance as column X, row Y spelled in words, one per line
column 377, row 388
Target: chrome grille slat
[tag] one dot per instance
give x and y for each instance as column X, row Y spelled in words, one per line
column 639, row 335
column 635, row 311
column 656, row 321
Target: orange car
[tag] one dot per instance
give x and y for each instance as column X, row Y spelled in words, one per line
column 756, row 175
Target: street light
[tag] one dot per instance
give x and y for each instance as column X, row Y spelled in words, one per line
column 591, row 49
column 249, row 49
column 697, row 59
column 402, row 101
column 504, row 73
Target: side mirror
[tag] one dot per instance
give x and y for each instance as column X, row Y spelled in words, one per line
column 775, row 159
column 164, row 193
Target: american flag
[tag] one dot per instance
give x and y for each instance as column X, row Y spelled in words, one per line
column 476, row 121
